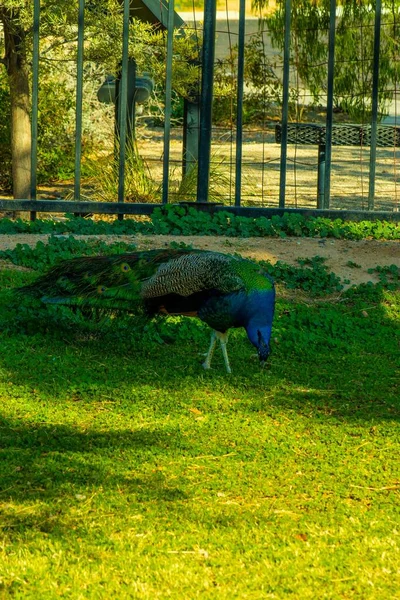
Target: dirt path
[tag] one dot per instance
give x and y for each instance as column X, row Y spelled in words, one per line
column 338, row 253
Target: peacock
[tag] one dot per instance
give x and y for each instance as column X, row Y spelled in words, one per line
column 223, row 291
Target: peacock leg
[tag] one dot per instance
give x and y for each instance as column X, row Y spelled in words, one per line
column 223, row 340
column 209, row 355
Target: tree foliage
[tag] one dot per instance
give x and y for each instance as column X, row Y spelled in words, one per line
column 353, row 53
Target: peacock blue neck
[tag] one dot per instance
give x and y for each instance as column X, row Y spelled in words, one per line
column 259, row 310
column 239, row 309
column 256, row 307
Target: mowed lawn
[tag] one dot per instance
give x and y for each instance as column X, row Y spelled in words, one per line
column 126, row 471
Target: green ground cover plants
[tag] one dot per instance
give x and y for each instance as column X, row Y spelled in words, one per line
column 126, row 471
column 179, row 220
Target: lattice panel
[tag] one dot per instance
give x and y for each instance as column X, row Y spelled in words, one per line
column 342, row 135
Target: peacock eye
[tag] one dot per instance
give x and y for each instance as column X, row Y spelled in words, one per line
column 101, row 289
column 125, row 267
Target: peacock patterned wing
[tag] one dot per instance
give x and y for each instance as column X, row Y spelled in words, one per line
column 193, row 272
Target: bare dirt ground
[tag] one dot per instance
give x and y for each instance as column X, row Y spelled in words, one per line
column 260, row 182
column 338, row 253
column 261, row 170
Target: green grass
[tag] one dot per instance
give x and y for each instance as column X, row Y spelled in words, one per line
column 126, row 471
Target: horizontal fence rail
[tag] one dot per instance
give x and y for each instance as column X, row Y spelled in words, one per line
column 233, row 107
column 116, row 208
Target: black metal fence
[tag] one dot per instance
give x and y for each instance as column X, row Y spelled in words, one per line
column 250, row 137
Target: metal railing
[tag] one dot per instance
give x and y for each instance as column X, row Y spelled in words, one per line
column 205, row 133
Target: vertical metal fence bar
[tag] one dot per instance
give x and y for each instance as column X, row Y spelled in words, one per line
column 35, row 105
column 168, row 98
column 239, row 117
column 285, row 104
column 123, row 93
column 329, row 107
column 206, row 98
column 374, row 117
column 79, row 101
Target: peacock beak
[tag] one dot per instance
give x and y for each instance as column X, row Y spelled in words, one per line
column 263, row 353
column 259, row 337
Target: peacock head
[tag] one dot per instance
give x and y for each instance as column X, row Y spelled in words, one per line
column 260, row 337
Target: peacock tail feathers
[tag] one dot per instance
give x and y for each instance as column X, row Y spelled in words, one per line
column 95, row 280
column 174, row 280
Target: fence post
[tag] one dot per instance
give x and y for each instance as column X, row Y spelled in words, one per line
column 325, row 199
column 321, row 176
column 35, row 94
column 285, row 104
column 122, row 105
column 168, row 98
column 374, row 117
column 240, row 85
column 78, row 104
column 206, row 99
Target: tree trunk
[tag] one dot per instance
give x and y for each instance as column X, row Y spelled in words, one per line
column 18, row 75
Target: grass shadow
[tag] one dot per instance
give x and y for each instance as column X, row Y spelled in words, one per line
column 41, row 462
